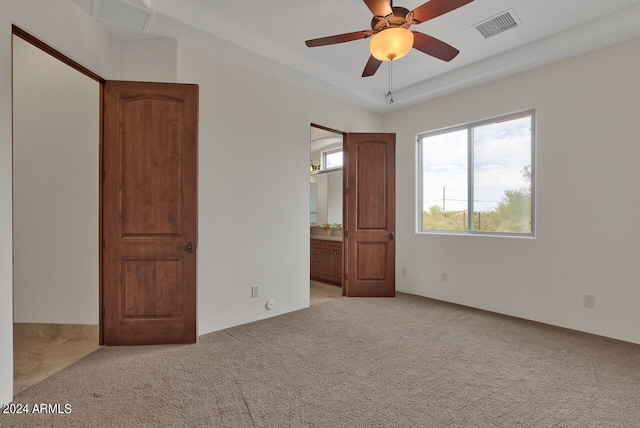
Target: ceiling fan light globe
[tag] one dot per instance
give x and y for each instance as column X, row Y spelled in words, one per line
column 391, row 44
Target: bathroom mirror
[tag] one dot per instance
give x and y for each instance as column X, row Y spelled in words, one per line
column 325, row 171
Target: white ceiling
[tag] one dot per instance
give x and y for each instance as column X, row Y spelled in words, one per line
column 321, row 139
column 270, row 35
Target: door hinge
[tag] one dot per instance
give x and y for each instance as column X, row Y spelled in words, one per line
column 104, row 175
column 346, row 191
column 346, row 276
column 346, row 234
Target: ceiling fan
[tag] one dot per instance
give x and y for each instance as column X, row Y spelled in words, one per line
column 392, row 38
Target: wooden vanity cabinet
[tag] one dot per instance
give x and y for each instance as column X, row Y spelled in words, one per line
column 315, row 258
column 326, row 261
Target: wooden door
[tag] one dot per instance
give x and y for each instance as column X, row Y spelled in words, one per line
column 150, row 159
column 370, row 195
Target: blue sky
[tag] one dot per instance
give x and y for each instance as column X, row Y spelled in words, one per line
column 501, row 151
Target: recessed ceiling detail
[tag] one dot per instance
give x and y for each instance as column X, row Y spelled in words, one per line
column 498, row 24
column 122, row 14
column 269, row 35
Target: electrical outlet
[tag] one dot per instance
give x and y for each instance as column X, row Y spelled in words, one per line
column 404, row 271
column 444, row 277
column 589, row 301
column 255, row 291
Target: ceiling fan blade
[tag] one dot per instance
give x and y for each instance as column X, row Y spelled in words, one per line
column 339, row 38
column 372, row 66
column 434, row 47
column 435, row 8
column 379, row 7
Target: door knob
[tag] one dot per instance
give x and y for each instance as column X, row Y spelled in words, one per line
column 392, row 236
column 188, row 248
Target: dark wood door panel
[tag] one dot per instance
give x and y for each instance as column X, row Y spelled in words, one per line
column 372, row 261
column 149, row 213
column 152, row 288
column 370, row 213
column 371, row 179
column 152, row 194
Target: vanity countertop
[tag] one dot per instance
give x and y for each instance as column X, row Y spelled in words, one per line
column 327, row 238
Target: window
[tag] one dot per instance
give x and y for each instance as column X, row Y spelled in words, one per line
column 486, row 169
column 332, row 159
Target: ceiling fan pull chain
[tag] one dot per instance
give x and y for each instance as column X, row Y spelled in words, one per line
column 389, row 94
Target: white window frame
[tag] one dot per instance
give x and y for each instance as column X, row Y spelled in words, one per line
column 328, row 152
column 470, row 176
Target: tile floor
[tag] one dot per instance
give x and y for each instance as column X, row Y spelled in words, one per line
column 321, row 292
column 37, row 356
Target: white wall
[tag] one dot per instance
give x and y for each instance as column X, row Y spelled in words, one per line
column 56, row 140
column 587, row 199
column 254, row 186
column 65, row 27
column 149, row 60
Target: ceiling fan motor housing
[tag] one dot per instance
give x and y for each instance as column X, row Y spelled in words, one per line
column 397, row 19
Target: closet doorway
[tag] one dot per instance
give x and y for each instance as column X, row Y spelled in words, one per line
column 56, row 146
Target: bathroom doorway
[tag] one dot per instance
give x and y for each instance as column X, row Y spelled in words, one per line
column 326, row 213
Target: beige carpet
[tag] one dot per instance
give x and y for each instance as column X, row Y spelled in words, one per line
column 403, row 362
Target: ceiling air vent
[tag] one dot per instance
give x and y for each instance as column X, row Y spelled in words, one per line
column 498, row 24
column 123, row 14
